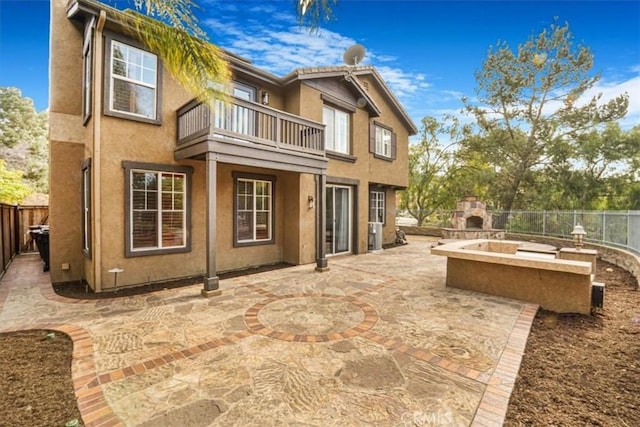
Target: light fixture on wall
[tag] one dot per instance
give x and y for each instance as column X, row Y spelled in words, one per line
column 264, row 97
column 578, row 236
column 311, row 202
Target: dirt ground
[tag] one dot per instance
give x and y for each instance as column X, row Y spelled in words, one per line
column 577, row 370
column 35, row 379
column 583, row 370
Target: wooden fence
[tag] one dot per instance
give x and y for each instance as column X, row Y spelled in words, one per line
column 14, row 230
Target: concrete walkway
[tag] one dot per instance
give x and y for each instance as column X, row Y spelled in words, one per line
column 376, row 341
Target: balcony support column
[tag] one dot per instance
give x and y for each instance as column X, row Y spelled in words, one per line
column 211, row 281
column 321, row 223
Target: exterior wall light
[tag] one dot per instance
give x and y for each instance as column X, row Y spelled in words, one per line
column 311, row 202
column 578, row 234
column 264, row 97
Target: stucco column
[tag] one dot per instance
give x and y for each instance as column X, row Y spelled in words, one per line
column 211, row 281
column 321, row 223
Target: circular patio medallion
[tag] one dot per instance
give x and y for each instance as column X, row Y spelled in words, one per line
column 310, row 317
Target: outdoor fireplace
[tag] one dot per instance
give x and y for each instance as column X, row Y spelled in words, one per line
column 470, row 220
column 475, row 222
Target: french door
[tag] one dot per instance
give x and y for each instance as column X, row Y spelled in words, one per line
column 234, row 117
column 338, row 213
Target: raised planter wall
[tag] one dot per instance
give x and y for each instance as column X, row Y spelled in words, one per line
column 492, row 267
column 620, row 257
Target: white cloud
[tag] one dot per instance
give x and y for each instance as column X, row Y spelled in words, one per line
column 279, row 45
column 612, row 89
column 402, row 83
column 279, row 49
column 609, row 89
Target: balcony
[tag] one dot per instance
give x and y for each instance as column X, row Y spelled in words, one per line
column 244, row 132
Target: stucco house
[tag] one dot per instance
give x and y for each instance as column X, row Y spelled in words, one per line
column 146, row 179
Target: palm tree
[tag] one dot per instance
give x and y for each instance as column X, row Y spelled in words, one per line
column 183, row 46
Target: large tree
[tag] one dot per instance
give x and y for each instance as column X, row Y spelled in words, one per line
column 531, row 107
column 19, row 120
column 23, row 138
column 434, row 172
column 601, row 169
column 12, row 187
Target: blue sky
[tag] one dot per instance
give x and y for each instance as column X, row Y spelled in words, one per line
column 427, row 51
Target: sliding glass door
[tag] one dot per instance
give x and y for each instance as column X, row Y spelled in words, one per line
column 338, row 214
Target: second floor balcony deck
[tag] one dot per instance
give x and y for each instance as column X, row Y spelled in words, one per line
column 249, row 130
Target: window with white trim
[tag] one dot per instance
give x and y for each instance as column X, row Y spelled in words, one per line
column 158, row 208
column 253, row 210
column 383, row 141
column 337, row 129
column 133, row 81
column 376, row 206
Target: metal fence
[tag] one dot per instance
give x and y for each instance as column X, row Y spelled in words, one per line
column 613, row 228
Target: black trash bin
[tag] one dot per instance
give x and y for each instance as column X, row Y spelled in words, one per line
column 44, row 252
column 41, row 236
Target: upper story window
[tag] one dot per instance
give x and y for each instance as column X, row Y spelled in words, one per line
column 382, row 142
column 337, row 130
column 157, row 208
column 132, row 82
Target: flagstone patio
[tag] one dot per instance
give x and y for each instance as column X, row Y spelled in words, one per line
column 378, row 340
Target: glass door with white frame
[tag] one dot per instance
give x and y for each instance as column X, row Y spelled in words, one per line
column 234, row 117
column 338, row 212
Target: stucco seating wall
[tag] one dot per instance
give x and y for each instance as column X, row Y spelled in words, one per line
column 494, row 267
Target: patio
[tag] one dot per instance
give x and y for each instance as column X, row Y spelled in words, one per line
column 377, row 340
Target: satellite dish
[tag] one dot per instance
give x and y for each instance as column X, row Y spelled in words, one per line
column 354, row 54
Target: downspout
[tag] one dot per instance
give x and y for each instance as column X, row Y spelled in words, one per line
column 96, row 162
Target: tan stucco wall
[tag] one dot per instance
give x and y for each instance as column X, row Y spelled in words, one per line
column 65, row 238
column 382, row 171
column 152, row 268
column 66, row 149
column 558, row 285
column 141, row 142
column 117, row 140
column 290, row 219
column 366, row 169
column 233, row 258
column 307, row 235
column 65, row 62
column 298, row 220
column 562, row 292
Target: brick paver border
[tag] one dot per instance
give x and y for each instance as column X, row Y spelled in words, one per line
column 492, row 409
